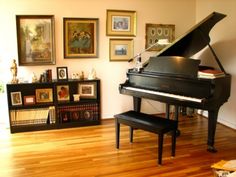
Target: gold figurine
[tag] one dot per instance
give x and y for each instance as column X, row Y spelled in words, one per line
column 14, row 72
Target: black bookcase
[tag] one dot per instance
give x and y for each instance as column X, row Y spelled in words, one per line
column 51, row 105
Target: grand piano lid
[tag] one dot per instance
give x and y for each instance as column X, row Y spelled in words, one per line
column 173, row 66
column 193, row 40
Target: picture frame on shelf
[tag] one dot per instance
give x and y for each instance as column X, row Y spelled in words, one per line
column 63, row 93
column 62, row 73
column 35, row 39
column 29, row 100
column 164, row 34
column 16, row 98
column 88, row 90
column 121, row 23
column 44, row 95
column 80, row 37
column 121, row 49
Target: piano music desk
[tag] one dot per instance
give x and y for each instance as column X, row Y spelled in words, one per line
column 148, row 123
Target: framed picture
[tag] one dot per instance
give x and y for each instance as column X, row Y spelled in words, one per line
column 88, row 90
column 16, row 98
column 80, row 37
column 62, row 73
column 44, row 95
column 29, row 100
column 121, row 49
column 159, row 36
column 121, row 23
column 63, row 93
column 35, row 39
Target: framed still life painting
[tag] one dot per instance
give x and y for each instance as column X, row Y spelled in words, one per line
column 35, row 39
column 80, row 37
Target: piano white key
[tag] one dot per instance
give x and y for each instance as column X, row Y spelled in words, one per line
column 180, row 97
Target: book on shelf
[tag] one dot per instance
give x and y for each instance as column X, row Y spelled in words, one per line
column 33, row 116
column 210, row 73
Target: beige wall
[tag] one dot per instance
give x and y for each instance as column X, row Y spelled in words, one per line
column 110, row 73
column 224, row 43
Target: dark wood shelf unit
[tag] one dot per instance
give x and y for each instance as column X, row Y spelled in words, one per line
column 55, row 113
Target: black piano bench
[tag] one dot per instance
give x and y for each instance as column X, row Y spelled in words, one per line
column 148, row 123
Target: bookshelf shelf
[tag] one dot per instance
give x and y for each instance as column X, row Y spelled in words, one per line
column 51, row 105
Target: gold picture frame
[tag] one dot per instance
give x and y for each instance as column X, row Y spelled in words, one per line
column 63, row 93
column 121, row 23
column 16, row 98
column 44, row 95
column 88, row 90
column 121, row 49
column 80, row 37
column 162, row 33
column 35, row 40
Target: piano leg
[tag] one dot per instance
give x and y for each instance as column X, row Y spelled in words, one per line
column 177, row 119
column 167, row 111
column 137, row 108
column 137, row 104
column 212, row 121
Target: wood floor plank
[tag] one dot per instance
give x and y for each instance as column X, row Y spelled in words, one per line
column 90, row 151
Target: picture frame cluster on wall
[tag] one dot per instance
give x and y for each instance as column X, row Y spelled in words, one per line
column 121, row 23
column 36, row 37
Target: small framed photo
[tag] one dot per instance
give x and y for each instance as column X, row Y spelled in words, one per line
column 88, row 90
column 44, row 95
column 80, row 37
column 121, row 23
column 29, row 100
column 35, row 39
column 63, row 93
column 121, row 49
column 16, row 98
column 62, row 73
column 159, row 34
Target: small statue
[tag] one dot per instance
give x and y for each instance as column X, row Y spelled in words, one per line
column 92, row 74
column 14, row 72
column 34, row 78
column 82, row 76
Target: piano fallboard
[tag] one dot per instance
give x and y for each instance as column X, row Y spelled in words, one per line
column 198, row 88
column 212, row 92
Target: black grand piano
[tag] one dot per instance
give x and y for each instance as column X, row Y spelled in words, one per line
column 171, row 77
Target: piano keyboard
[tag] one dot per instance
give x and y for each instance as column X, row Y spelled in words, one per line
column 180, row 97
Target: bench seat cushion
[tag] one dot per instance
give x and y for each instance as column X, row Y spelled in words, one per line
column 146, row 122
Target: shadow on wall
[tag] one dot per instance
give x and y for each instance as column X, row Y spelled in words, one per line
column 225, row 51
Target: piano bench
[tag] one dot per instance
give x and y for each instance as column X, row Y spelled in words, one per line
column 148, row 123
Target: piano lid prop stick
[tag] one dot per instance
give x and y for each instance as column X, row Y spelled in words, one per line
column 159, row 42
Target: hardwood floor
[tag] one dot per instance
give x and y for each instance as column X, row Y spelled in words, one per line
column 90, row 151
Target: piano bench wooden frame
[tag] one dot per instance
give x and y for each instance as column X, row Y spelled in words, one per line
column 148, row 123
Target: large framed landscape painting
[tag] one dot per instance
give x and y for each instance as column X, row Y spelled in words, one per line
column 35, row 39
column 80, row 37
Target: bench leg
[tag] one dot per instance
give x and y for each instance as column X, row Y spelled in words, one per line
column 160, row 147
column 173, row 143
column 117, row 125
column 131, row 132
